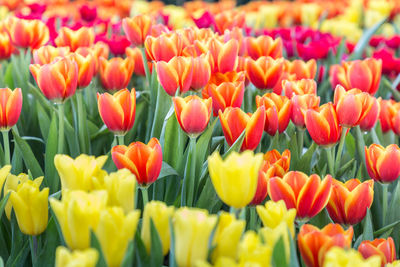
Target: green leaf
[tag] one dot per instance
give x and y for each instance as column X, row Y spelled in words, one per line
column 72, row 138
column 278, row 254
column 368, row 230
column 156, row 252
column 142, row 258
column 166, row 170
column 236, row 145
column 208, row 196
column 94, row 243
column 3, row 203
column 51, row 177
column 162, row 108
column 203, row 145
column 19, row 244
column 294, row 260
column 129, row 255
column 47, row 254
column 387, row 84
column 8, row 79
column 305, row 161
column 172, row 260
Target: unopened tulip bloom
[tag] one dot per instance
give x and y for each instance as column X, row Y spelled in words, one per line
column 137, row 28
column 235, row 178
column 175, row 74
column 300, row 105
column 83, row 37
column 272, row 235
column 349, row 201
column 264, row 46
column 84, row 258
column 160, row 214
column 362, row 74
column 383, row 164
column 313, row 243
column 232, row 76
column 10, row 106
column 192, row 113
column 114, row 231
column 371, row 117
column 265, row 72
column 224, row 55
column 234, row 121
column 118, row 110
column 57, row 80
column 323, row 125
column 121, row 187
column 192, row 229
column 253, row 251
column 275, row 213
column 307, row 194
column 11, row 184
column 299, row 87
column 6, row 47
column 339, row 257
column 301, row 69
column 27, row 33
column 82, row 173
column 4, row 172
column 77, row 214
column 86, row 69
column 384, row 248
column 201, row 72
column 164, row 47
column 46, row 54
column 144, row 161
column 389, row 115
column 227, row 94
column 228, row 20
column 116, row 73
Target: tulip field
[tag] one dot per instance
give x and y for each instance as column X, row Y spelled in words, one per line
column 200, row 134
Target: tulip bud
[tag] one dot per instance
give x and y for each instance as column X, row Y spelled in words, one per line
column 10, row 106
column 275, row 213
column 137, row 28
column 265, row 72
column 48, row 53
column 224, row 55
column 299, row 87
column 67, row 258
column 86, row 69
column 116, row 73
column 11, row 184
column 300, row 105
column 339, row 257
column 227, row 94
column 264, row 46
column 164, row 47
column 253, row 251
column 383, row 164
column 301, row 69
column 202, row 72
column 384, row 248
column 83, row 37
column 6, row 48
column 27, row 33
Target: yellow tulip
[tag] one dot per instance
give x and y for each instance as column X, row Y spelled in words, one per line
column 114, row 231
column 4, row 172
column 192, row 228
column 339, row 257
column 235, row 178
column 11, row 184
column 310, row 14
column 220, row 262
column 272, row 235
column 121, row 186
column 394, row 264
column 77, row 258
column 77, row 213
column 252, row 250
column 274, row 213
column 31, row 207
column 83, row 173
column 160, row 214
column 227, row 236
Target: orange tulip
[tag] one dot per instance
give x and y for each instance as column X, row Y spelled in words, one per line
column 301, row 69
column 164, row 47
column 192, row 113
column 177, row 73
column 234, row 121
column 224, row 55
column 227, row 20
column 384, row 248
column 84, row 37
column 86, row 69
column 389, row 115
column 277, row 115
column 314, row 243
column 300, row 105
column 6, row 48
column 299, row 87
column 237, row 34
column 116, row 73
column 46, row 54
column 57, row 80
column 217, row 78
column 99, row 50
column 202, row 71
column 323, row 126
column 265, row 72
column 307, row 194
column 264, row 46
column 144, row 161
column 118, row 111
column 27, row 33
column 362, row 74
column 349, row 201
column 137, row 28
column 383, row 164
column 135, row 55
column 10, row 107
column 227, row 94
column 371, row 117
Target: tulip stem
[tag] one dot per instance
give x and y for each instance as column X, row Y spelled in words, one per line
column 121, row 140
column 33, row 244
column 340, row 148
column 6, row 147
column 145, row 195
column 300, row 140
column 146, row 66
column 384, row 202
column 60, row 128
column 330, row 161
column 82, row 127
column 189, row 183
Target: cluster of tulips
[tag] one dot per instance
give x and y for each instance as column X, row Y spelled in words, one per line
column 139, row 134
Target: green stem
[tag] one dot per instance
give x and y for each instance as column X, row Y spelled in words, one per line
column 340, row 148
column 374, row 136
column 274, row 141
column 360, row 144
column 384, row 202
column 189, row 179
column 60, row 128
column 300, row 140
column 146, row 66
column 233, row 211
column 330, row 161
column 33, row 245
column 82, row 126
column 120, row 139
column 145, row 195
column 6, row 147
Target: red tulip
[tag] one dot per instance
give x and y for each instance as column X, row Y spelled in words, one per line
column 265, row 72
column 10, row 107
column 383, row 164
column 83, row 37
column 384, row 248
column 300, row 105
column 116, row 73
column 227, row 94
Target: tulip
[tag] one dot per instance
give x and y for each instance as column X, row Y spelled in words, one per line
column 10, row 106
column 389, row 116
column 299, row 87
column 301, row 69
column 233, row 77
column 77, row 214
column 6, row 48
column 11, row 184
column 144, row 161
column 160, row 214
column 272, row 235
column 349, row 201
column 224, row 55
column 192, row 229
column 307, row 194
column 227, row 94
column 116, row 73
column 384, row 248
column 275, row 213
column 235, row 178
column 236, row 33
column 175, row 74
column 57, row 80
column 118, row 111
column 253, row 251
column 264, row 46
column 314, row 243
column 82, row 173
column 31, row 207
column 67, row 258
column 27, row 33
column 262, row 189
column 135, row 55
column 339, row 257
column 137, row 28
column 300, row 105
column 4, row 172
column 234, row 121
column 323, row 125
column 371, row 116
column 99, row 50
column 229, row 19
column 48, row 53
column 164, row 47
column 83, row 37
column 202, row 72
column 265, row 72
column 86, row 69
column 362, row 74
column 120, row 187
column 114, row 232
column 383, row 164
